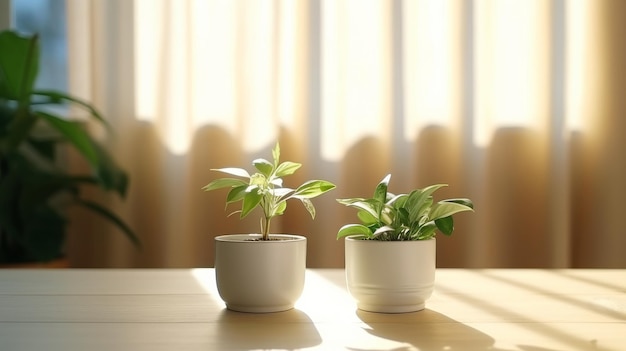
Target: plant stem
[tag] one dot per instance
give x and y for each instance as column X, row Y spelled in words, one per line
column 265, row 221
column 266, row 228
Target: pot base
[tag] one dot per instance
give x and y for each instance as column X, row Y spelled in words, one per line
column 259, row 309
column 391, row 309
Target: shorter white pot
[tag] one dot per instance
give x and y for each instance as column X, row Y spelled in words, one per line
column 390, row 276
column 260, row 276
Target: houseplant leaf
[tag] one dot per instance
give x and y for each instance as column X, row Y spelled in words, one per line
column 444, row 209
column 353, row 229
column 18, row 71
column 312, row 189
column 224, row 183
column 380, row 193
column 236, row 193
column 264, row 166
column 239, row 172
column 445, row 225
column 74, row 133
column 104, row 212
column 252, row 198
column 56, row 97
column 109, row 175
column 287, row 168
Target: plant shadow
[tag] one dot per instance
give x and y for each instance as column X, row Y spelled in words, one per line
column 429, row 330
column 287, row 330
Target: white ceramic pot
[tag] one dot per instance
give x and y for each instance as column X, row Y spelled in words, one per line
column 390, row 276
column 260, row 276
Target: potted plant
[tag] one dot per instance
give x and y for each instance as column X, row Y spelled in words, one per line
column 263, row 272
column 390, row 254
column 35, row 189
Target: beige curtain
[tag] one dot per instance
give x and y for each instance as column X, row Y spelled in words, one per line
column 517, row 105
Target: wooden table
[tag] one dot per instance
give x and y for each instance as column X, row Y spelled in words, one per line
column 165, row 309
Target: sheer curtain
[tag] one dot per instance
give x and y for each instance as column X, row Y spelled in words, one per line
column 515, row 104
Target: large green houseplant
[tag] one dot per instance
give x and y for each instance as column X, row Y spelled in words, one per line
column 390, row 254
column 263, row 272
column 35, row 189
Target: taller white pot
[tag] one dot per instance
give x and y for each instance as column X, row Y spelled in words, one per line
column 390, row 276
column 260, row 276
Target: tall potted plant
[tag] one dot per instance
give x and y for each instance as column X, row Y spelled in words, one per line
column 263, row 272
column 34, row 189
column 390, row 254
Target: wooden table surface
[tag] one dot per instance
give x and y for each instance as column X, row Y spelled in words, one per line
column 176, row 309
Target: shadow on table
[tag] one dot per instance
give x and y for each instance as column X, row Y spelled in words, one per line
column 288, row 330
column 429, row 330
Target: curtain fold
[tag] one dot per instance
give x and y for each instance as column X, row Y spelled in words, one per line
column 516, row 105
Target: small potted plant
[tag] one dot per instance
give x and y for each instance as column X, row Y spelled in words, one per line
column 263, row 272
column 390, row 255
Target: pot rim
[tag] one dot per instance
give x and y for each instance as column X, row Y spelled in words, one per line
column 244, row 238
column 355, row 238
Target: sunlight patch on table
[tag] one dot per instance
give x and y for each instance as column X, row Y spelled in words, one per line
column 206, row 279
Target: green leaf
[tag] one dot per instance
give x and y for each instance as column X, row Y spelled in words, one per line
column 402, row 216
column 462, row 201
column 59, row 97
column 18, row 68
column 353, row 229
column 278, row 182
column 236, row 194
column 429, row 190
column 309, row 206
column 75, row 134
column 397, row 201
column 312, row 189
column 427, row 231
column 422, row 209
column 110, row 175
column 39, row 187
column 444, row 209
column 380, row 193
column 19, row 130
column 250, row 200
column 280, row 208
column 388, row 215
column 367, row 217
column 371, row 206
column 420, row 200
column 382, row 230
column 239, row 172
column 445, row 225
column 45, row 148
column 104, row 212
column 224, row 183
column 281, row 192
column 348, row 202
column 287, row 168
column 264, row 166
column 276, row 154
